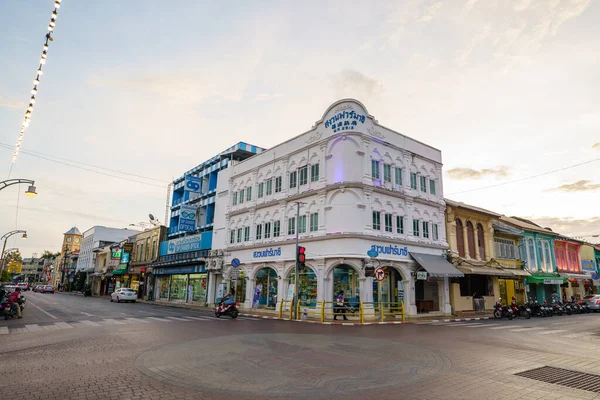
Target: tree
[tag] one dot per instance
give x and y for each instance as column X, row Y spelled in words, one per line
column 13, row 256
column 5, row 276
column 48, row 255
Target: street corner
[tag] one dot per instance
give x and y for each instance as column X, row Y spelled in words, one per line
column 292, row 365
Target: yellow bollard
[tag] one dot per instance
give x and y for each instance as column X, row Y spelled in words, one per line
column 381, row 315
column 361, row 312
column 281, row 309
column 292, row 309
column 298, row 310
column 323, row 311
column 402, row 305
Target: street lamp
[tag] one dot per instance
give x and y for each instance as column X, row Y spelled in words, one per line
column 30, row 190
column 5, row 237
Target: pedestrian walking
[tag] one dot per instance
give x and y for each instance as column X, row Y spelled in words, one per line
column 340, row 306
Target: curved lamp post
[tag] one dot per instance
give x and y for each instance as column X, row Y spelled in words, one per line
column 30, row 190
column 5, row 237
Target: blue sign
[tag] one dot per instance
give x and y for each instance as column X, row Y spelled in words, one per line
column 267, row 253
column 192, row 184
column 588, row 266
column 187, row 218
column 344, row 121
column 184, row 244
column 125, row 258
column 595, row 276
column 235, row 263
column 391, row 250
column 372, row 253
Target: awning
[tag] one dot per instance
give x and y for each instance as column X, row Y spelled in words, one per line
column 546, row 279
column 575, row 276
column 518, row 272
column 473, row 270
column 436, row 266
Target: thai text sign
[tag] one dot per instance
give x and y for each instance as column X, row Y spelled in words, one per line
column 344, row 121
column 184, row 244
column 267, row 253
column 391, row 250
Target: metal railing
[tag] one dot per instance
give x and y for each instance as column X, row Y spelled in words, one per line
column 286, row 309
column 328, row 311
column 383, row 311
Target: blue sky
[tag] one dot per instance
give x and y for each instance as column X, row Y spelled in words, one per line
column 505, row 89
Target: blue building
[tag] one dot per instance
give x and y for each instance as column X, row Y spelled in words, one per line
column 180, row 272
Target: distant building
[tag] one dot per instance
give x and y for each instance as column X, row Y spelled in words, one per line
column 71, row 243
column 96, row 237
column 32, row 269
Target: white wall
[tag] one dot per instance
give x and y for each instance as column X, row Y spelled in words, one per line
column 94, row 235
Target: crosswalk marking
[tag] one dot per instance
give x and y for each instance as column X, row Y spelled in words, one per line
column 34, row 327
column 89, row 323
column 63, row 325
column 113, row 321
column 3, row 330
column 137, row 320
column 533, row 328
column 200, row 318
column 551, row 332
column 577, row 335
column 51, row 327
column 179, row 319
column 158, row 319
column 472, row 324
column 503, row 327
column 481, row 326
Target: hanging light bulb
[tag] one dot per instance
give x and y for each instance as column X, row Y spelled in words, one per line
column 30, row 108
column 57, row 4
column 34, row 90
column 40, row 72
column 32, row 101
column 36, row 81
column 42, row 61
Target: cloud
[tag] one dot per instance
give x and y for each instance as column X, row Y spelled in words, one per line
column 352, row 83
column 461, row 174
column 579, row 186
column 596, row 146
column 570, row 226
column 11, row 103
column 266, row 96
column 430, row 12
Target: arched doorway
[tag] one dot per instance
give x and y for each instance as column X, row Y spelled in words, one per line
column 265, row 290
column 307, row 286
column 391, row 289
column 345, row 278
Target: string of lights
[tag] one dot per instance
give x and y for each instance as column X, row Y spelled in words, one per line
column 36, row 82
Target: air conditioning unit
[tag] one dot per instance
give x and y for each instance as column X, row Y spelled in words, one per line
column 220, row 253
column 212, row 253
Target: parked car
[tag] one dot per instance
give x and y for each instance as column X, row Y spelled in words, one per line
column 23, row 285
column 124, row 294
column 593, row 302
column 45, row 289
column 9, row 288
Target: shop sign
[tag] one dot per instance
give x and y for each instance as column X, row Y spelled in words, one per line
column 344, row 121
column 267, row 253
column 125, row 258
column 234, row 274
column 190, row 269
column 421, row 275
column 116, row 254
column 588, row 266
column 192, row 184
column 187, row 219
column 390, row 249
column 553, row 281
column 128, row 247
column 185, row 244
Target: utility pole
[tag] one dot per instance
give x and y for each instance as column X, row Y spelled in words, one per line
column 296, row 271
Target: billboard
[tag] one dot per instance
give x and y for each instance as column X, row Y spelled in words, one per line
column 192, row 184
column 187, row 219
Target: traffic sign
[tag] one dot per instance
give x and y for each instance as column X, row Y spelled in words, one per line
column 234, row 274
column 379, row 274
column 235, row 263
column 595, row 276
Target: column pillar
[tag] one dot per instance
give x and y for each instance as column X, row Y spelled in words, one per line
column 249, row 293
column 466, row 240
column 446, row 307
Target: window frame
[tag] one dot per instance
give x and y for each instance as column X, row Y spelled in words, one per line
column 314, row 222
column 398, row 176
column 261, row 190
column 293, row 181
column 400, row 224
column 375, row 169
column 276, row 228
column 376, row 220
column 258, row 233
column 269, row 190
column 423, row 183
column 416, row 228
column 278, row 184
column 302, row 224
column 314, row 172
column 387, row 173
column 291, row 226
column 303, row 176
column 413, row 180
column 388, row 227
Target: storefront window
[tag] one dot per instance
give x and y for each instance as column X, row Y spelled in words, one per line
column 240, row 287
column 346, row 278
column 198, row 284
column 178, row 287
column 265, row 291
column 162, row 287
column 307, row 286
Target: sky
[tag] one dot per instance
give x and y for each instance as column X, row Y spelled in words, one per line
column 506, row 90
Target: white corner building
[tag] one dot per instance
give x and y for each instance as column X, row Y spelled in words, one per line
column 94, row 238
column 361, row 188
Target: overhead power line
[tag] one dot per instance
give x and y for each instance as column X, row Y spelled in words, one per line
column 526, row 178
column 87, row 169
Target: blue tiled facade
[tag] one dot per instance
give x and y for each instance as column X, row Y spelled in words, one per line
column 205, row 201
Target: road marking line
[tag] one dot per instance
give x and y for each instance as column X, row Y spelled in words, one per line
column 113, row 321
column 577, row 335
column 44, row 311
column 561, row 323
column 469, row 325
column 33, row 327
column 503, row 327
column 533, row 328
column 50, row 327
column 3, row 330
column 137, row 320
column 551, row 332
column 201, row 318
column 89, row 315
column 481, row 326
column 158, row 319
column 89, row 323
column 179, row 319
column 63, row 325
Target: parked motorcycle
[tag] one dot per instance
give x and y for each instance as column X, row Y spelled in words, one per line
column 548, row 310
column 229, row 310
column 584, row 307
column 502, row 311
column 557, row 309
column 520, row 311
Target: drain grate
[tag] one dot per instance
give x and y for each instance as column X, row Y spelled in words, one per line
column 564, row 377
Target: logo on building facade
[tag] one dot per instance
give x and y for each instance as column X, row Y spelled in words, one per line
column 391, row 250
column 187, row 219
column 344, row 121
column 192, row 184
column 267, row 253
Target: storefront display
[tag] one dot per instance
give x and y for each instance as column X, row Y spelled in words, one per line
column 178, row 287
column 266, row 288
column 162, row 287
column 307, row 286
column 198, row 283
column 345, row 278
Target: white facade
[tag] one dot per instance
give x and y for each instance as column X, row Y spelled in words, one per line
column 355, row 180
column 92, row 239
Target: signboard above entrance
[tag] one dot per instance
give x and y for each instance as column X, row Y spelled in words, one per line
column 421, row 275
column 392, row 250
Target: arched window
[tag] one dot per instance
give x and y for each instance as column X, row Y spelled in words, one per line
column 481, row 241
column 541, row 255
column 548, row 257
column 460, row 237
column 531, row 260
column 471, row 239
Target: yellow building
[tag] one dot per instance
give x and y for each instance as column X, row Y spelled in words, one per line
column 470, row 234
column 589, row 268
column 71, row 243
column 507, row 256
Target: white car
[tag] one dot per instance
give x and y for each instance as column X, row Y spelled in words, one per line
column 124, row 294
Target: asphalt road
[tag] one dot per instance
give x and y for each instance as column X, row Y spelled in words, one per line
column 71, row 347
